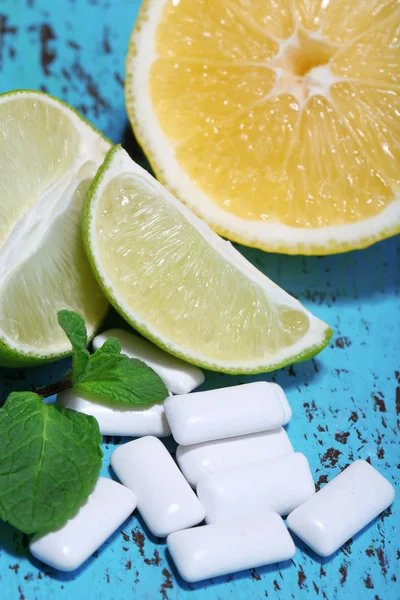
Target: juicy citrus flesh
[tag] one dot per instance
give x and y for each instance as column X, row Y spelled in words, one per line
column 282, row 111
column 46, row 171
column 159, row 269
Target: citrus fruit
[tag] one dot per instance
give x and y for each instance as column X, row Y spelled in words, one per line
column 181, row 285
column 48, row 157
column 276, row 121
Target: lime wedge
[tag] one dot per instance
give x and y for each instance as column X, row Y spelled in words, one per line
column 48, row 158
column 181, row 285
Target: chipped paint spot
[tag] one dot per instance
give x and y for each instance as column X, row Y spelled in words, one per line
column 47, row 52
column 343, row 573
column 5, row 31
column 254, row 575
column 301, row 577
column 166, row 584
column 342, row 342
column 14, row 568
column 342, row 437
column 379, row 403
column 322, row 479
column 125, row 536
column 139, row 539
column 382, row 559
column 155, row 561
column 368, row 582
column 331, row 457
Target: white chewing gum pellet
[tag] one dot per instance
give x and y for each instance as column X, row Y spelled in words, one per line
column 227, row 412
column 165, row 499
column 244, row 543
column 278, row 485
column 209, row 457
column 179, row 377
column 341, row 508
column 67, row 548
column 118, row 420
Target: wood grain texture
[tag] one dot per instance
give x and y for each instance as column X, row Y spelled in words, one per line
column 346, row 402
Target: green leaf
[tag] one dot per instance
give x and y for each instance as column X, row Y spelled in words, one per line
column 117, row 379
column 110, row 346
column 50, row 459
column 75, row 329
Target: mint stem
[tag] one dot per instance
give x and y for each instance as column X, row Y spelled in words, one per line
column 54, row 388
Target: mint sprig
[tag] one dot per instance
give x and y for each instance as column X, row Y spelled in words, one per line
column 50, row 459
column 108, row 374
column 75, row 329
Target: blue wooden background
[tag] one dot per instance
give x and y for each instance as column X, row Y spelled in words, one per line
column 346, row 402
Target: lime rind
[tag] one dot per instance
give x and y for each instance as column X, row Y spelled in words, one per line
column 13, row 354
column 291, row 356
column 67, row 107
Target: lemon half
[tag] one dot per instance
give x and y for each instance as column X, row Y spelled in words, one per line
column 276, row 121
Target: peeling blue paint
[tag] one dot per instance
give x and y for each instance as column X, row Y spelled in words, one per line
column 344, row 401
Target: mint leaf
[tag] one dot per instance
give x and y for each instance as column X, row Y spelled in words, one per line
column 117, row 379
column 50, row 459
column 108, row 374
column 110, row 346
column 75, row 329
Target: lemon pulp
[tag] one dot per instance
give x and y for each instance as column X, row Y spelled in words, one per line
column 274, row 118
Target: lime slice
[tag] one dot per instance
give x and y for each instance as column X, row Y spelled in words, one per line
column 181, row 285
column 48, row 158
